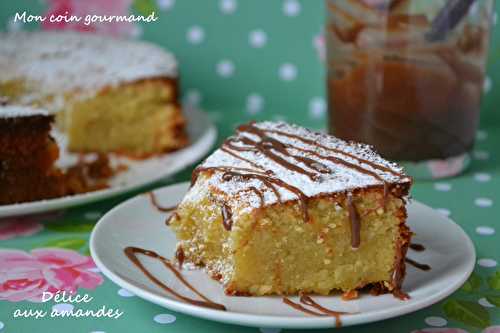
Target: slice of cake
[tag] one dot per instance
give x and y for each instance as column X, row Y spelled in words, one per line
column 27, row 156
column 279, row 209
column 28, row 160
column 109, row 95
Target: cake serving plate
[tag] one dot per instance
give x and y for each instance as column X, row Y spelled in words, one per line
column 136, row 222
column 202, row 134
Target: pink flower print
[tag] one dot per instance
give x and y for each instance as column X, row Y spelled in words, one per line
column 13, row 228
column 25, row 276
column 23, row 226
column 81, row 9
column 492, row 329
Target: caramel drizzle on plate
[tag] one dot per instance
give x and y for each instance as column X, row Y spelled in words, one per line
column 163, row 209
column 423, row 267
column 417, row 247
column 158, row 206
column 131, row 253
column 305, row 299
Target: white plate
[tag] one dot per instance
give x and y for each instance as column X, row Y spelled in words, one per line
column 202, row 134
column 449, row 252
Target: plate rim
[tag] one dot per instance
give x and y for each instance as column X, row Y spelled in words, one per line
column 273, row 321
column 205, row 143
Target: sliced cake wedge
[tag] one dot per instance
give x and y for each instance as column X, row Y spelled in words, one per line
column 279, row 209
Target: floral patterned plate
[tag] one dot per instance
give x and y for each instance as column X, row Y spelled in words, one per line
column 136, row 222
column 202, row 134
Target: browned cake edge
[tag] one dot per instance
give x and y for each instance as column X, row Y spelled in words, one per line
column 27, row 157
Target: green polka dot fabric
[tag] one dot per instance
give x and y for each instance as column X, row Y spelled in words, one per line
column 242, row 60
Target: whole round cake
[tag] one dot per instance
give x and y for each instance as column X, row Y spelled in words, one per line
column 109, row 95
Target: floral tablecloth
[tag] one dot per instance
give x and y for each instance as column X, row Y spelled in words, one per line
column 265, row 66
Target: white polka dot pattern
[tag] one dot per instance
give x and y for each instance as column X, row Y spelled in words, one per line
column 227, row 6
column 288, row 72
column 443, row 187
column 444, row 211
column 165, row 4
column 485, row 231
column 317, row 107
column 125, row 293
column 257, row 38
column 291, row 8
column 225, row 68
column 164, row 318
column 195, row 34
column 482, row 177
column 487, row 262
column 63, row 307
column 255, row 103
column 483, row 202
column 436, row 321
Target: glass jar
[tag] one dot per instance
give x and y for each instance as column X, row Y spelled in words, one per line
column 406, row 77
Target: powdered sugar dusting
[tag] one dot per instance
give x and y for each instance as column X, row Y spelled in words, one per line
column 51, row 64
column 14, row 111
column 341, row 177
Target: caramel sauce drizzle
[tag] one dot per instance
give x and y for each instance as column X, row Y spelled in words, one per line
column 335, row 150
column 227, row 217
column 156, row 204
column 200, row 169
column 417, row 247
column 168, row 219
column 131, row 253
column 305, row 299
column 274, row 149
column 258, row 193
column 266, row 180
column 180, row 256
column 418, row 265
column 271, row 182
column 266, row 146
column 230, row 152
column 355, row 223
column 309, row 301
column 397, row 277
column 299, row 307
